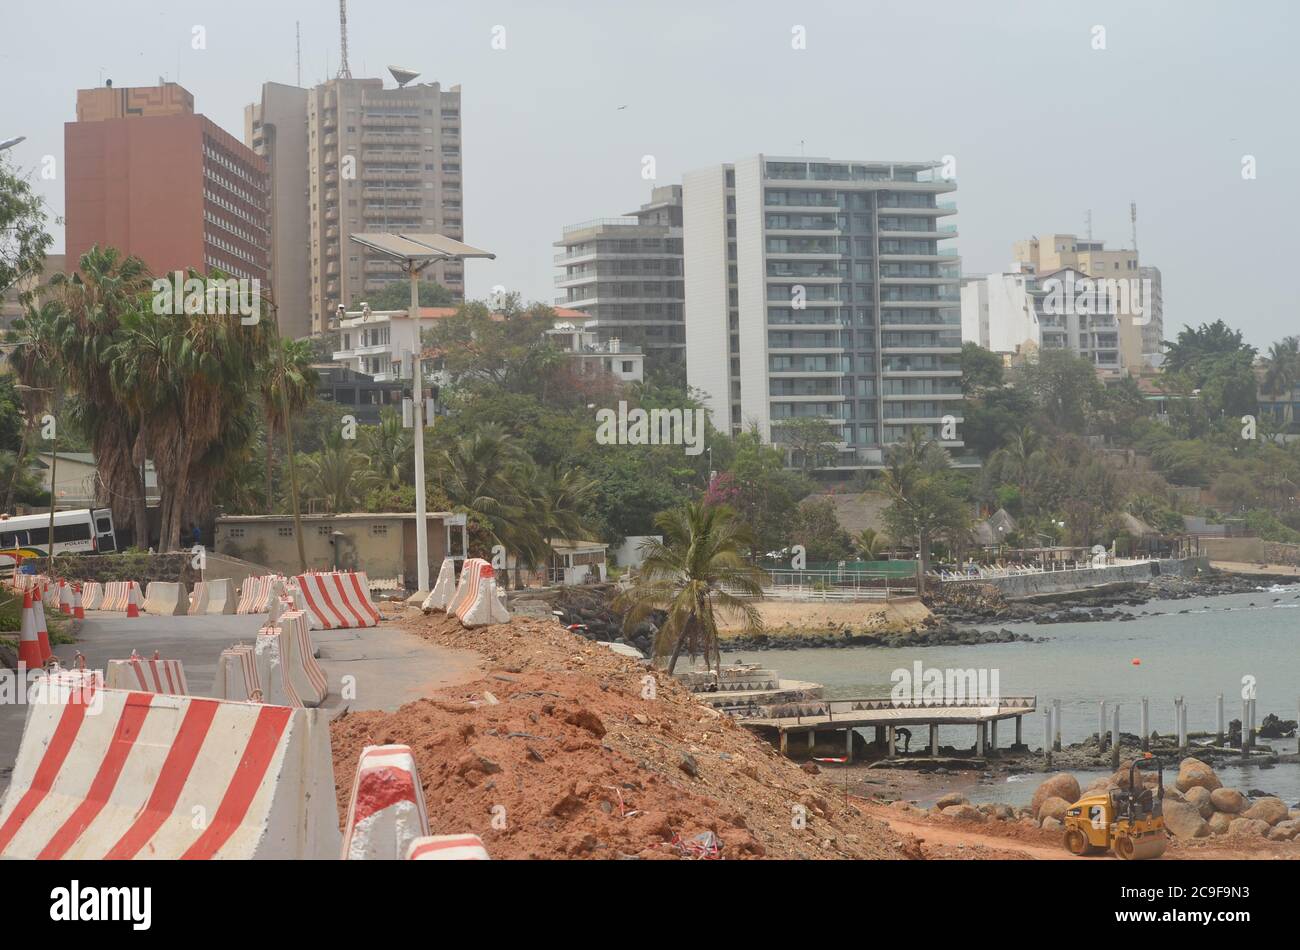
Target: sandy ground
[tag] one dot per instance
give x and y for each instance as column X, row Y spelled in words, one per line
column 790, row 618
column 1282, row 571
column 940, row 837
column 564, row 749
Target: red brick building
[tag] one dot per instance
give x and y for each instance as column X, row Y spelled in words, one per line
column 146, row 175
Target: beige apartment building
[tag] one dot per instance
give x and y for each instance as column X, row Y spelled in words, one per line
column 1139, row 317
column 348, row 157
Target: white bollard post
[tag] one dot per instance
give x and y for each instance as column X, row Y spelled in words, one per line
column 1047, row 731
column 1056, row 725
column 1145, row 720
column 1101, row 722
column 1245, row 723
column 1218, row 720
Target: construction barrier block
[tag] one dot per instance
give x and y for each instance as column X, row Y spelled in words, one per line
column 153, row 675
column 166, row 599
column 92, row 595
column 483, row 603
column 154, row 776
column 337, row 600
column 115, row 595
column 447, row 848
column 470, row 572
column 443, row 587
column 221, row 596
column 386, row 811
column 236, row 677
column 255, row 594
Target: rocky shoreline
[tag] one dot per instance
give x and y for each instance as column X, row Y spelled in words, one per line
column 958, row 613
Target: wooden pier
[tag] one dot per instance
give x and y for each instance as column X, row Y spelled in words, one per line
column 886, row 716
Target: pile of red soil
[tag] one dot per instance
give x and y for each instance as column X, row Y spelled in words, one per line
column 564, row 749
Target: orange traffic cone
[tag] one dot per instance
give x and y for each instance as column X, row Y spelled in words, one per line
column 132, row 600
column 78, row 610
column 29, row 646
column 42, row 629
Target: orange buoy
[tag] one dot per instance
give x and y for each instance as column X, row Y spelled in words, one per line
column 1136, row 661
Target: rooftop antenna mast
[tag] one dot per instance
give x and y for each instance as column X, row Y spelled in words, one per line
column 344, row 71
column 1133, row 219
column 1088, row 221
column 297, row 34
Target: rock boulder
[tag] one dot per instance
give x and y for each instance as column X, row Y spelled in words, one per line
column 1192, row 772
column 1061, row 785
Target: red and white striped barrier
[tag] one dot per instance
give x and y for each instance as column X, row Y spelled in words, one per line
column 154, row 776
column 447, row 848
column 482, row 603
column 237, row 675
column 212, row 597
column 470, row 572
column 154, row 675
column 286, row 670
column 50, row 594
column 443, row 587
column 255, row 594
column 166, row 599
column 337, row 599
column 92, row 595
column 115, row 595
column 65, row 597
column 386, row 811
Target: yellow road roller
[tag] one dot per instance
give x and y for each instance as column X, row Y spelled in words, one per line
column 1128, row 822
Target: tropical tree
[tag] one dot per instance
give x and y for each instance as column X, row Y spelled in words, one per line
column 478, row 473
column 1282, row 373
column 337, row 475
column 33, row 359
column 387, row 448
column 926, row 501
column 697, row 572
column 90, row 306
column 288, row 385
column 870, row 544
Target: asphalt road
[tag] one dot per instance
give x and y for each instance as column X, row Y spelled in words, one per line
column 390, row 667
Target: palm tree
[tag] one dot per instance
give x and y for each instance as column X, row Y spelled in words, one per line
column 869, row 544
column 697, row 571
column 1283, row 373
column 90, row 306
column 33, row 360
column 552, row 504
column 288, row 383
column 337, row 475
column 479, row 474
column 387, row 447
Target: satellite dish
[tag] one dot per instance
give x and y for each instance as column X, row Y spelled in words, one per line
column 402, row 76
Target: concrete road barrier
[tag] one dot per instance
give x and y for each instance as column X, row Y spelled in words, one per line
column 153, row 776
column 337, row 600
column 236, row 677
column 166, row 599
column 443, row 587
column 447, row 848
column 212, row 597
column 386, row 811
column 92, row 595
column 115, row 595
column 470, row 572
column 482, row 603
column 255, row 594
column 154, row 675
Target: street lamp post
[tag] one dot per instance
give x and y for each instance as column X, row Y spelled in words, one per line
column 415, row 252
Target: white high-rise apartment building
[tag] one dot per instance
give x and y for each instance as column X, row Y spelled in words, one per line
column 824, row 289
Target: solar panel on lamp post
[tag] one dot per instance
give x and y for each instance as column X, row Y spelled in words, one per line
column 415, row 252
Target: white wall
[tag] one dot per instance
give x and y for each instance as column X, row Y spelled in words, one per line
column 704, row 244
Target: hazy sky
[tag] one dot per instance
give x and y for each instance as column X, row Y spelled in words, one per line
column 1043, row 126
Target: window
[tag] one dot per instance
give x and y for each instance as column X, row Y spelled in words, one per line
column 235, row 532
column 285, row 532
column 324, row 530
column 71, row 532
column 379, row 530
column 103, row 525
